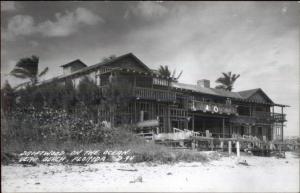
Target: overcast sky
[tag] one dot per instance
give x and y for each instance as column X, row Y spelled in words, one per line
column 259, row 40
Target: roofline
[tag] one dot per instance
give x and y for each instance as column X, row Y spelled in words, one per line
column 259, row 89
column 69, row 63
column 151, row 73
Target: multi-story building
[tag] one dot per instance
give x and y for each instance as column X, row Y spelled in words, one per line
column 164, row 104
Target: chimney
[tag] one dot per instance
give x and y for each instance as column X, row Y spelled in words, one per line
column 203, row 83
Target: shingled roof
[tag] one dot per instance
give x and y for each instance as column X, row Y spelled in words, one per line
column 74, row 62
column 248, row 93
column 210, row 91
column 241, row 95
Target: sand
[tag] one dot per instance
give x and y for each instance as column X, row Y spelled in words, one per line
column 263, row 174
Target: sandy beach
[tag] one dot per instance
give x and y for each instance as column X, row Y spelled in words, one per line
column 262, row 174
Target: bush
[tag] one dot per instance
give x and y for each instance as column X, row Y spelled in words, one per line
column 49, row 129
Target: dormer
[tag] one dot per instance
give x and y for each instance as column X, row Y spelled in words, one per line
column 73, row 66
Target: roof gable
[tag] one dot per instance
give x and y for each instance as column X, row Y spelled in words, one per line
column 75, row 63
column 256, row 95
column 127, row 61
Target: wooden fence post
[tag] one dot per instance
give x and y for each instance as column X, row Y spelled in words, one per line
column 222, row 145
column 229, row 147
column 238, row 149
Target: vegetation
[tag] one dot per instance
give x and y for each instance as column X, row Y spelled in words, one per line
column 47, row 130
column 27, row 68
column 7, row 98
column 59, row 117
column 109, row 58
column 227, row 81
column 116, row 97
column 165, row 71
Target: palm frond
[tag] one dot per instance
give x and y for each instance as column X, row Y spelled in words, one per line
column 19, row 76
column 179, row 75
column 30, row 64
column 21, row 73
column 164, row 71
column 227, row 81
column 173, row 74
column 44, row 72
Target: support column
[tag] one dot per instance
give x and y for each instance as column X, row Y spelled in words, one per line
column 212, row 144
column 223, row 127
column 249, row 130
column 222, row 145
column 169, row 119
column 141, row 116
column 238, row 149
column 282, row 124
column 229, row 147
column 193, row 123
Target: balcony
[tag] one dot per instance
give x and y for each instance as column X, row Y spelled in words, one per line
column 218, row 108
column 240, row 119
column 278, row 117
column 259, row 117
column 269, row 117
column 148, row 93
column 154, row 94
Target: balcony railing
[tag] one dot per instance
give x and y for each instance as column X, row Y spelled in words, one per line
column 240, row 119
column 154, row 94
column 270, row 117
column 213, row 107
column 148, row 93
column 278, row 117
column 259, row 117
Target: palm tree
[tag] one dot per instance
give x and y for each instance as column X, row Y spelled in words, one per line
column 227, row 81
column 7, row 97
column 27, row 68
column 164, row 71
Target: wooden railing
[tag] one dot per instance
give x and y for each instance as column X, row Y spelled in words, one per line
column 268, row 116
column 259, row 117
column 149, row 93
column 154, row 94
column 176, row 112
column 218, row 108
column 243, row 119
column 278, row 117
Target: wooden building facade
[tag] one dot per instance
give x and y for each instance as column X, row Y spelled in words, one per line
column 162, row 104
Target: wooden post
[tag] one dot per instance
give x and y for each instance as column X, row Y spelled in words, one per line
column 223, row 128
column 222, row 145
column 212, row 144
column 206, row 133
column 193, row 144
column 229, row 147
column 238, row 149
column 141, row 116
column 249, row 130
column 193, row 123
column 169, row 119
column 282, row 124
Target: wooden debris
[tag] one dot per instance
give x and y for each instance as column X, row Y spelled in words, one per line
column 129, row 170
column 244, row 162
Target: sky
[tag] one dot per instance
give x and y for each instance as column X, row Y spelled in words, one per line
column 258, row 40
